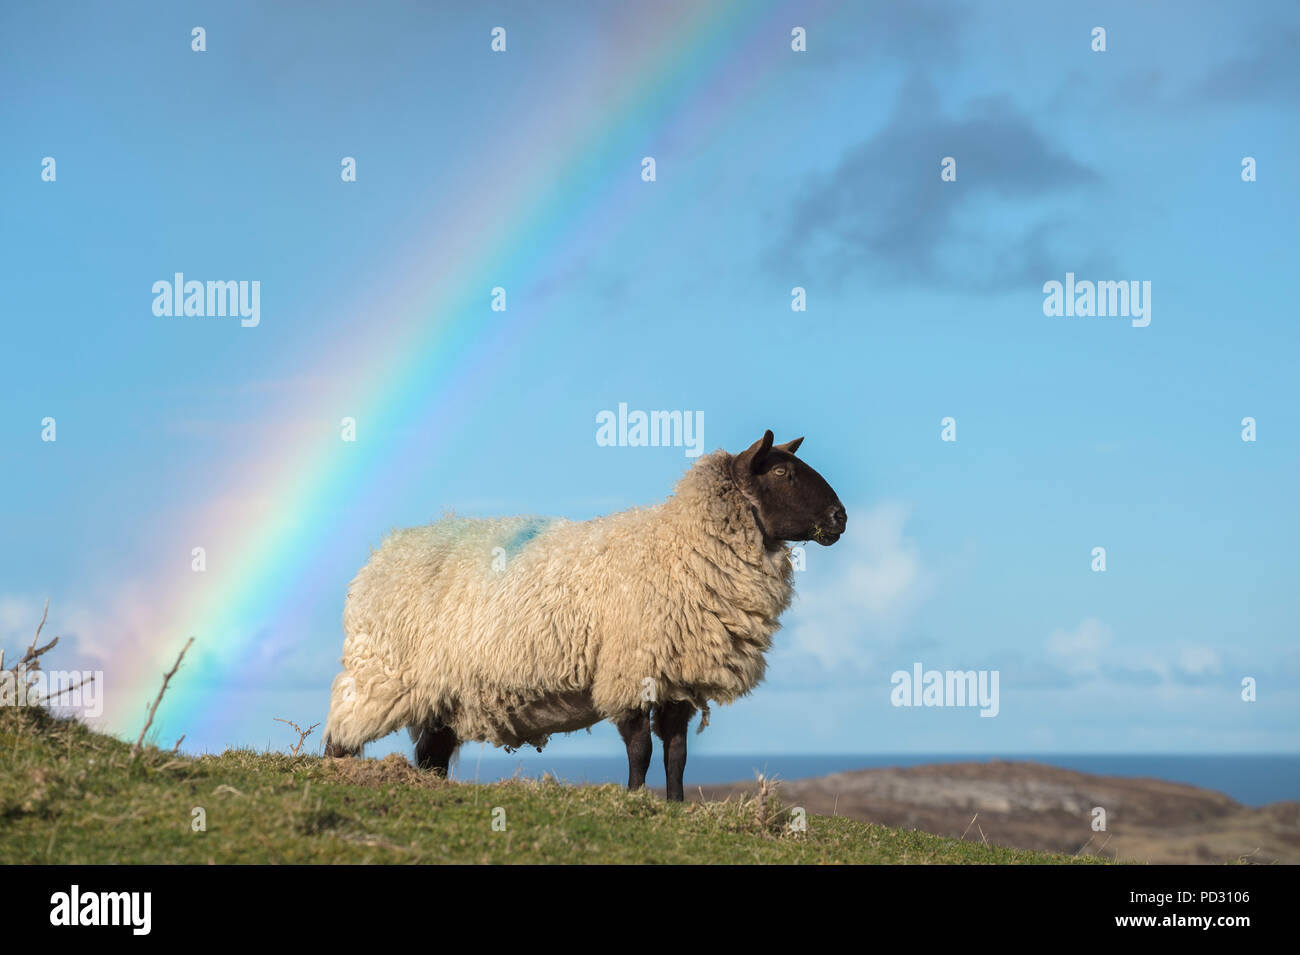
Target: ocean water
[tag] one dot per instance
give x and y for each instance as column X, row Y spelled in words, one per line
column 1251, row 780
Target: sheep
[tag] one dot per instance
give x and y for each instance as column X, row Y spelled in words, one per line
column 510, row 630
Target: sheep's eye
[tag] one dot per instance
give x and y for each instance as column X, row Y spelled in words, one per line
column 780, row 469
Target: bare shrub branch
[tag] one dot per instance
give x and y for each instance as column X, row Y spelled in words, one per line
column 135, row 750
column 302, row 733
column 30, row 659
column 68, row 689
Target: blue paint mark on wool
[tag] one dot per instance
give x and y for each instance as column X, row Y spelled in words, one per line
column 525, row 534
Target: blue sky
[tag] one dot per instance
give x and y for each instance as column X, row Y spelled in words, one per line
column 817, row 169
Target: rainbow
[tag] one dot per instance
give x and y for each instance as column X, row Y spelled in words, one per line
column 680, row 75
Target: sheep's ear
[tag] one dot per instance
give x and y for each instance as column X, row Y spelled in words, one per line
column 790, row 447
column 755, row 453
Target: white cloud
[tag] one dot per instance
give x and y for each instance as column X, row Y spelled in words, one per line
column 71, row 623
column 1089, row 652
column 1199, row 661
column 18, row 619
column 1083, row 649
column 854, row 599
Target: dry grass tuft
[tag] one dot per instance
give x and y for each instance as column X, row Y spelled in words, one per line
column 759, row 813
column 392, row 769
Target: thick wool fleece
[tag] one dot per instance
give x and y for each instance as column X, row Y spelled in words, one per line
column 508, row 630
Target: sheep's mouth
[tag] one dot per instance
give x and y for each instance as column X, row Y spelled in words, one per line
column 823, row 536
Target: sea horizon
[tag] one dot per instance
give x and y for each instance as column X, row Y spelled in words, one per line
column 1250, row 779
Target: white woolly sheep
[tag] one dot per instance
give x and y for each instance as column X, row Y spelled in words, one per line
column 509, row 630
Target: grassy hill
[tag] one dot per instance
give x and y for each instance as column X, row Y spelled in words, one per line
column 70, row 795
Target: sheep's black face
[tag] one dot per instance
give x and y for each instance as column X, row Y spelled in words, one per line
column 791, row 501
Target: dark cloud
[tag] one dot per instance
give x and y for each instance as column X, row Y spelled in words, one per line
column 1263, row 71
column 1267, row 71
column 604, row 286
column 884, row 212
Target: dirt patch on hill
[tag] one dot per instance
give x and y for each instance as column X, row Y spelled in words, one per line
column 1028, row 805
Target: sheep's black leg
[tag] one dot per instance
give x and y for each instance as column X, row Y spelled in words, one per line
column 434, row 748
column 671, row 720
column 635, row 730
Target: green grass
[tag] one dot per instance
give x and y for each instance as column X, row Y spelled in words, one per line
column 70, row 795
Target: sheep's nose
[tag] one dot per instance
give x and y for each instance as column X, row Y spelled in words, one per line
column 837, row 518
